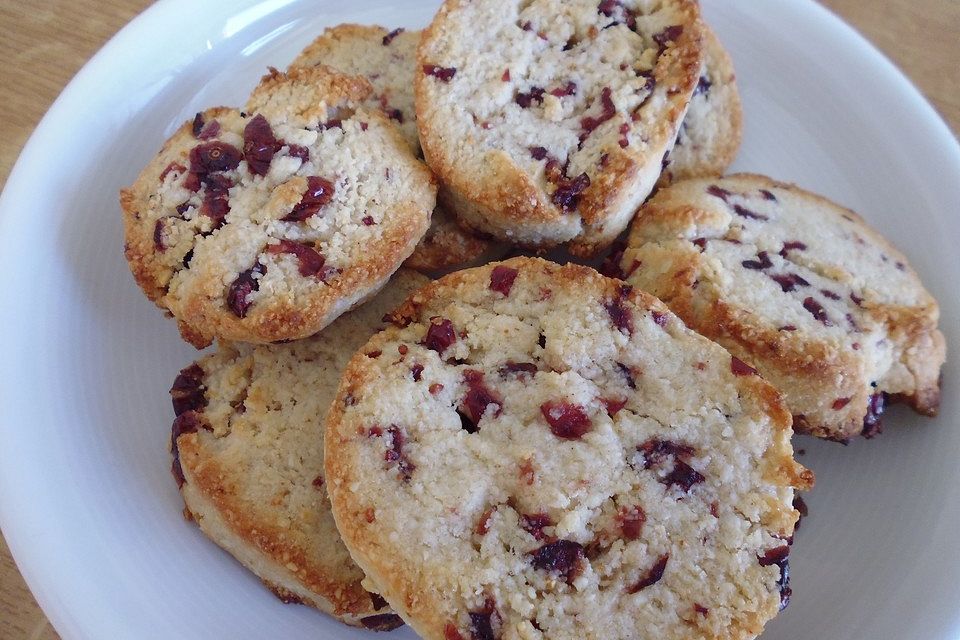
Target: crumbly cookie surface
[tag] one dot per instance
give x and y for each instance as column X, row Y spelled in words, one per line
column 712, row 130
column 248, row 451
column 267, row 224
column 536, row 451
column 386, row 58
column 548, row 121
column 828, row 310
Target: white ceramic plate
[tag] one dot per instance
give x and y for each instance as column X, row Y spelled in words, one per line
column 86, row 498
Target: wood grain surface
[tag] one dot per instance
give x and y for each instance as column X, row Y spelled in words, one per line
column 45, row 43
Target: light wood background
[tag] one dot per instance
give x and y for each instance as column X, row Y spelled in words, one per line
column 45, row 43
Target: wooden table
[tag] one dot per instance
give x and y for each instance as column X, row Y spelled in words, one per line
column 44, row 44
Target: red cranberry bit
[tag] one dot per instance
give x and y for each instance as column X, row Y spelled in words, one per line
column 620, row 315
column 787, row 327
column 627, row 374
column 817, row 311
column 801, row 506
column 382, row 622
column 762, row 262
column 187, row 422
column 659, row 319
column 317, row 482
column 396, row 454
column 743, row 212
column 857, row 300
column 613, row 406
column 701, row 243
column 440, row 335
column 298, row 151
column 534, row 524
column 569, row 89
column 611, row 264
column 607, row 7
column 214, row 156
column 187, row 390
column 368, row 221
column 334, row 123
column 792, row 246
column 830, row 294
column 563, row 556
column 521, row 370
column 840, row 403
column 683, row 476
column 417, row 371
column 655, row 452
column 318, row 194
column 553, row 172
column 387, row 39
column 259, row 145
column 310, row 262
column 443, row 74
column 526, row 100
column 668, row 35
column 506, row 75
column 779, row 557
column 158, row 236
column 527, row 472
column 173, row 166
column 567, row 194
column 242, row 287
column 435, row 388
column 501, row 279
column 702, row 610
column 216, row 198
column 478, row 399
column 653, row 575
column 608, row 110
column 538, row 153
column 377, row 600
column 482, row 622
column 450, row 632
column 703, row 85
column 197, row 125
column 872, row 425
column 483, row 524
column 741, row 368
column 624, row 133
column 403, row 349
column 395, row 114
column 789, row 281
column 374, row 354
column 210, row 130
column 631, row 520
column 719, row 192
column 192, row 182
column 567, row 420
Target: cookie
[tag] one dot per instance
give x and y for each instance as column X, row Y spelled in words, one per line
column 387, row 59
column 537, row 451
column 548, row 122
column 798, row 287
column 711, row 132
column 248, row 457
column 268, row 224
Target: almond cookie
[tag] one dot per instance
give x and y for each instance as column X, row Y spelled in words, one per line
column 711, row 132
column 800, row 288
column 536, row 451
column 387, row 59
column 248, row 457
column 268, row 224
column 548, row 121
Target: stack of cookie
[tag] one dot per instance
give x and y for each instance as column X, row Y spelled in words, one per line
column 518, row 449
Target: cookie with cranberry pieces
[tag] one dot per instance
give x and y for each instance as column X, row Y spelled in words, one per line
column 712, row 130
column 248, row 458
column 268, row 224
column 548, row 121
column 553, row 454
column 387, row 59
column 802, row 289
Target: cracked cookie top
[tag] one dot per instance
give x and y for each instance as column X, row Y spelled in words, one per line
column 547, row 121
column 804, row 290
column 267, row 224
column 537, row 451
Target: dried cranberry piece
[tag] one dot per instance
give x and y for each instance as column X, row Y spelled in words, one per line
column 382, row 622
column 483, row 524
column 608, row 111
column 840, row 403
column 521, row 370
column 830, row 294
column 259, row 145
column 817, row 311
column 652, row 576
column 767, row 195
column 568, row 89
column 242, row 287
column 317, row 482
column 872, row 424
column 789, row 281
column 440, row 335
column 377, row 600
column 187, row 390
column 309, row 261
column 214, row 156
column 387, row 39
column 443, row 74
column 762, row 262
column 683, row 476
column 607, row 7
column 210, row 130
column 567, row 420
column 526, row 100
column 395, row 114
column 627, row 374
column 187, row 422
column 656, row 452
column 703, row 85
column 534, row 524
column 620, row 315
column 668, row 35
column 719, row 192
column 506, row 75
column 801, row 506
column 787, row 327
column 192, row 182
column 567, row 194
column 368, row 221
column 538, row 153
column 396, row 454
column 501, row 279
column 298, row 151
column 318, row 194
column 450, row 632
column 741, row 368
column 631, row 520
column 173, row 166
column 702, row 610
column 743, row 212
column 779, row 556
column 563, row 556
column 478, row 398
column 613, row 406
column 417, row 371
column 197, row 125
column 611, row 264
column 482, row 622
column 158, row 236
column 792, row 246
column 700, row 243
column 216, row 198
column 857, row 300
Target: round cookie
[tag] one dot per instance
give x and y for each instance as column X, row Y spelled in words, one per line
column 800, row 288
column 248, row 458
column 548, row 121
column 268, row 224
column 536, row 451
column 711, row 132
column 387, row 59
